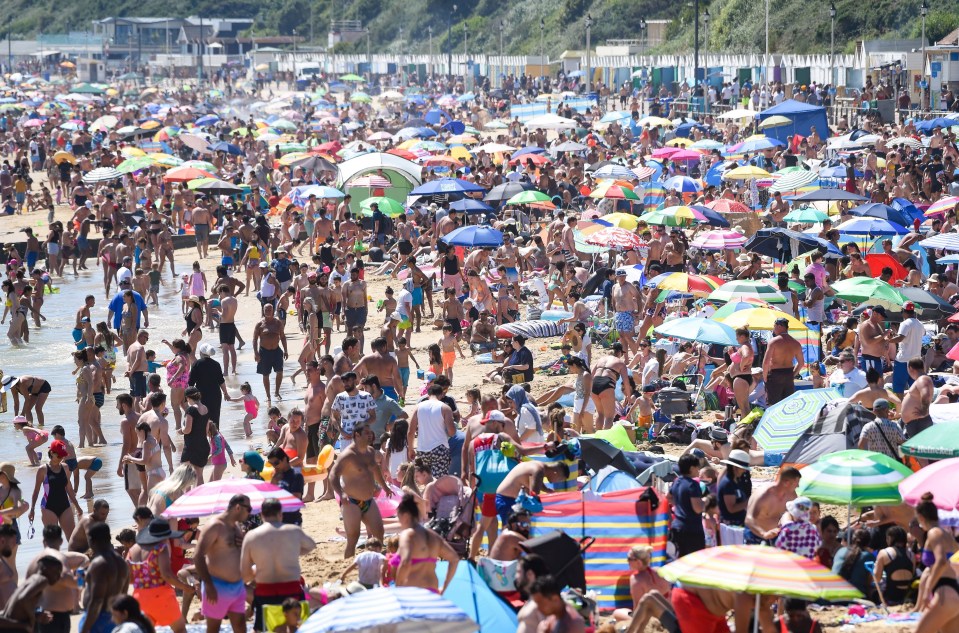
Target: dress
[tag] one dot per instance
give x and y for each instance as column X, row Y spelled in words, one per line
column 207, row 376
column 196, row 446
column 157, row 599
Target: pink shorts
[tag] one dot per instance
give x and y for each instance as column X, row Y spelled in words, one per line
column 230, row 598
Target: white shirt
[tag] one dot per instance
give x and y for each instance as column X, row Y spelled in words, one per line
column 650, row 371
column 849, row 383
column 404, row 303
column 123, row 274
column 430, row 426
column 911, row 346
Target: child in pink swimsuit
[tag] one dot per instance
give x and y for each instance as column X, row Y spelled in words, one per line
column 252, row 406
column 219, row 448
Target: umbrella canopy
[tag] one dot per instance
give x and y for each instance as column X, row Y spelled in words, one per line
column 136, row 163
column 598, row 453
column 794, row 180
column 698, row 329
column 836, row 428
column 939, row 441
column 613, row 237
column 390, row 610
column 746, row 172
column 62, row 156
column 699, row 285
column 612, row 171
column 387, row 206
column 570, row 146
column 867, row 289
column 185, row 174
column 214, row 497
column 469, row 205
column 612, row 191
column 786, row 245
column 529, row 197
column 830, row 195
column 682, row 184
column 728, row 206
column 942, row 205
column 938, row 478
column 854, row 478
column 220, row 188
column 471, row 593
column 622, row 220
column 445, row 186
column 101, row 174
column 679, row 215
column 736, row 306
column 783, row 422
column 229, row 148
column 775, row 121
column 759, row 570
column 808, row 215
column 719, row 240
column 474, row 236
column 870, row 226
column 761, row 319
column 903, row 217
column 507, row 190
column 301, row 195
column 747, row 289
column 314, row 163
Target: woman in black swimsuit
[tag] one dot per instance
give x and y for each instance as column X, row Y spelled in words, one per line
column 193, row 319
column 58, row 494
column 740, row 363
column 34, row 391
column 196, row 446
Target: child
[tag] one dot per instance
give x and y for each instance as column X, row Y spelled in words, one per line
column 292, row 612
column 156, row 280
column 184, row 293
column 387, row 305
column 404, row 354
column 449, row 345
column 338, row 308
column 197, row 281
column 35, row 438
column 473, row 397
column 711, row 520
column 394, row 450
column 369, row 564
column 392, row 561
column 152, row 365
column 219, row 448
column 436, row 359
column 797, row 618
column 273, row 426
column 127, row 538
column 141, row 283
column 252, row 406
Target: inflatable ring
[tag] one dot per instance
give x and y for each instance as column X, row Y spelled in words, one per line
column 312, row 473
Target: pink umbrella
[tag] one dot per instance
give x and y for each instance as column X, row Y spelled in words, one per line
column 615, row 237
column 644, row 172
column 939, row 479
column 33, row 123
column 686, row 156
column 719, row 240
column 213, row 498
column 666, row 152
column 371, row 181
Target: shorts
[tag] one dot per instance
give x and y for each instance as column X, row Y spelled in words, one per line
column 104, row 623
column 98, row 399
column 271, row 360
column 438, row 460
column 159, row 604
column 231, row 598
column 356, row 317
column 32, row 258
column 687, row 541
column 202, row 233
column 390, row 392
column 773, row 459
column 504, row 507
column 59, row 624
column 900, row 377
column 405, row 376
column 601, row 384
column 405, row 246
column 138, row 384
column 915, row 427
column 512, row 275
column 417, row 296
column 780, row 384
column 866, row 362
column 313, row 440
column 227, row 333
column 226, row 261
column 456, row 325
column 692, row 615
column 750, row 538
column 72, row 463
column 96, row 465
column 488, row 505
column 584, row 406
column 449, row 359
column 131, row 478
column 624, row 322
column 272, row 593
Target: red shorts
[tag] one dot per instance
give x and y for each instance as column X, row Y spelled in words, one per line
column 693, row 615
column 488, row 509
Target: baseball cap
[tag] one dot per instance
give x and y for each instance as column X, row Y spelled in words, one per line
column 494, row 416
column 879, row 403
column 59, row 448
column 620, row 272
column 909, row 306
column 882, row 311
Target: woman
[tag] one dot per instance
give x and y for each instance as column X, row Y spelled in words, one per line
column 196, row 446
column 194, row 319
column 643, row 580
column 126, row 614
column 420, row 549
column 150, row 457
column 583, row 406
column 87, row 413
column 529, row 425
column 740, row 363
column 34, row 391
column 896, row 561
column 17, row 313
column 12, row 505
column 850, row 562
column 829, row 531
column 151, row 573
column 178, row 376
column 519, row 366
column 172, row 488
column 129, row 317
column 207, row 376
column 735, row 488
column 58, row 493
column 938, row 590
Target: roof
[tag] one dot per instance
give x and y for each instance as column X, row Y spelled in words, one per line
column 191, row 33
column 952, row 39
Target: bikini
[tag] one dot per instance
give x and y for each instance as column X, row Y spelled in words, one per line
column 928, row 558
column 364, row 506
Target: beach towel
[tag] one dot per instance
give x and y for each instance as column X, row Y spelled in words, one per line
column 532, row 329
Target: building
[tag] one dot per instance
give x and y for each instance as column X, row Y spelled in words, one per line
column 140, row 40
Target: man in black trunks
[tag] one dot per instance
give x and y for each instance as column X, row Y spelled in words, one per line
column 268, row 335
column 784, row 359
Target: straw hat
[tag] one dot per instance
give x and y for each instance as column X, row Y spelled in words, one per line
column 737, row 458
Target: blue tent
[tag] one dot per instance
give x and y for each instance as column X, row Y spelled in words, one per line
column 469, row 592
column 803, row 117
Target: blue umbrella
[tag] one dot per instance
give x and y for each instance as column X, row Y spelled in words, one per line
column 685, row 130
column 837, row 172
column 469, row 96
column 398, row 609
column 713, row 218
column 469, row 205
column 455, row 127
column 208, row 119
column 949, row 259
column 471, row 593
column 759, row 144
column 870, row 226
column 698, row 329
column 229, row 148
column 682, row 184
column 445, row 186
column 886, row 212
column 615, row 115
column 434, row 116
column 927, row 127
column 528, row 150
column 474, row 236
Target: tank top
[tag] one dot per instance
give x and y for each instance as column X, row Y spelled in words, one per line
column 896, row 590
column 146, row 574
column 815, row 312
column 267, row 290
column 432, row 430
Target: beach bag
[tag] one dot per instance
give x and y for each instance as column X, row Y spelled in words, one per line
column 678, row 432
column 491, row 469
column 500, row 575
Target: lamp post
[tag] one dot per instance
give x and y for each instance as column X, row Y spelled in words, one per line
column 449, row 44
column 642, row 35
column 766, row 55
column 706, row 18
column 502, row 63
column 542, row 53
column 832, row 43
column 294, row 59
column 429, row 30
column 696, row 47
column 589, row 27
column 923, row 11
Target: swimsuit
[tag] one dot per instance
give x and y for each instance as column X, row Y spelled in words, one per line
column 55, row 492
column 231, row 598
column 364, row 505
column 624, row 322
column 157, row 599
column 602, row 383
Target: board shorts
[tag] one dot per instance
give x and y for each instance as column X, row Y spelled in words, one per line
column 271, row 360
column 356, row 317
column 104, row 623
column 417, row 296
column 313, row 440
column 231, row 598
column 449, row 359
column 693, row 615
column 624, row 322
column 405, row 376
column 900, row 377
column 504, row 507
column 159, row 604
column 512, row 275
column 226, row 261
column 138, row 384
column 488, row 505
column 228, row 333
column 202, row 233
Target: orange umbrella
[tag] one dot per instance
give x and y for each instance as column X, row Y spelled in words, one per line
column 186, row 174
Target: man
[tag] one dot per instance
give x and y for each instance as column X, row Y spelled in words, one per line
column 350, row 354
column 529, row 475
column 59, row 598
column 293, row 440
column 355, row 306
column 78, row 540
column 626, row 299
column 137, row 368
column 268, row 335
column 848, row 378
column 607, row 370
column 508, row 545
column 766, row 508
column 270, row 557
column 381, row 364
column 881, row 435
column 287, row 478
column 909, row 338
column 107, row 577
column 21, row 610
column 674, row 252
column 78, row 326
column 128, row 433
column 217, row 561
column 528, row 569
column 434, row 421
column 915, row 404
column 559, row 616
column 686, row 498
column 314, row 399
column 201, row 230
column 387, row 409
column 352, row 407
column 115, row 308
column 872, row 340
column 784, row 359
column 813, row 301
column 354, row 478
column 228, row 331
column 159, row 426
column 8, row 572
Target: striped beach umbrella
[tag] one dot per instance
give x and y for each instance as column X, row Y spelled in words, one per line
column 622, row 220
column 942, row 205
column 611, row 191
column 938, row 478
column 387, row 206
column 698, row 285
column 760, row 319
column 939, row 441
column 214, row 497
column 784, row 422
column 745, row 288
column 390, row 610
column 735, row 306
column 794, row 181
column 724, row 205
column 683, row 184
column 808, row 215
column 719, row 240
column 870, row 291
column 644, row 172
column 854, row 478
column 679, row 215
column 136, row 163
column 614, row 237
column 746, row 172
column 654, row 194
column 759, row 570
column 101, row 174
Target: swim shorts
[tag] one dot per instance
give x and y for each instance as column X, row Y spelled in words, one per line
column 230, row 598
column 624, row 322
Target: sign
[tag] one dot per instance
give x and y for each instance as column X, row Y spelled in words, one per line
column 936, row 67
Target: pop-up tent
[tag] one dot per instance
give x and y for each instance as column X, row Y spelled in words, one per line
column 836, row 429
column 803, row 117
column 402, row 174
column 470, row 593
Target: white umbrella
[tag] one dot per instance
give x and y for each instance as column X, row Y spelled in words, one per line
column 390, row 610
column 550, row 122
column 101, row 174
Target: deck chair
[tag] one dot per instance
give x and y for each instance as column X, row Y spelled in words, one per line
column 694, row 385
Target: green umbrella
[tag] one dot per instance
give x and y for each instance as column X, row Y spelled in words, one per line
column 747, row 289
column 808, row 215
column 136, row 163
column 283, row 124
column 197, row 182
column 529, row 197
column 940, row 441
column 351, row 77
column 388, row 206
column 287, row 148
column 784, row 422
column 854, row 478
column 871, row 291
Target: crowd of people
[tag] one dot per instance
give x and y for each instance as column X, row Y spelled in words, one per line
column 298, row 263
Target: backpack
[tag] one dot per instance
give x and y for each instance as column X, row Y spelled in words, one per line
column 491, row 469
column 678, row 431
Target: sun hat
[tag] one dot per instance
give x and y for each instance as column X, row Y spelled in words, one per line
column 799, row 508
column 8, row 383
column 9, row 470
column 157, row 532
column 737, row 458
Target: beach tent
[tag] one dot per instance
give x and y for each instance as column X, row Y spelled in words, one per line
column 837, row 428
column 803, row 117
column 403, row 175
column 469, row 592
column 617, row 521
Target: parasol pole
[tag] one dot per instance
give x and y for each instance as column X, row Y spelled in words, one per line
column 756, row 616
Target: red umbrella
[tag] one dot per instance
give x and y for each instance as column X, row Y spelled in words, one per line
column 878, row 261
column 330, row 147
column 186, row 174
column 537, row 159
column 724, row 205
column 402, row 153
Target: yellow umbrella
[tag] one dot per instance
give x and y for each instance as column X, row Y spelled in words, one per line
column 130, row 152
column 150, row 125
column 679, row 142
column 621, row 220
column 761, row 319
column 407, row 144
column 655, row 121
column 292, row 157
column 775, row 121
column 66, row 64
column 746, row 172
column 61, row 157
column 460, row 152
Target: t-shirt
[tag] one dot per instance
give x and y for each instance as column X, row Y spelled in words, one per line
column 523, row 356
column 799, row 537
column 116, row 306
column 874, row 432
column 684, row 490
column 911, row 346
column 368, row 565
column 739, row 488
column 850, row 382
column 386, row 409
column 353, row 410
column 526, row 422
column 293, row 483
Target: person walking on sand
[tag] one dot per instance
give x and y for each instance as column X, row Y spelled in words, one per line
column 217, row 560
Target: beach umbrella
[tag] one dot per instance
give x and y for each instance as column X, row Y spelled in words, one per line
column 314, row 163
column 165, row 160
column 794, row 181
column 207, row 119
column 615, row 115
column 469, row 205
column 735, row 306
column 186, row 174
column 647, row 171
column 939, row 441
column 445, row 186
column 808, row 215
column 474, row 236
column 387, row 206
column 854, row 478
column 536, row 159
column 898, row 216
column 785, row 245
column 829, row 195
column 682, row 184
column 724, row 205
column 707, row 144
column 654, row 121
column 942, row 205
column 698, row 329
column 775, row 121
column 742, row 289
column 529, row 197
column 615, row 237
column 679, row 215
column 390, row 610
column 612, row 171
column 870, row 226
column 665, row 152
column 622, row 220
column 194, row 142
column 753, row 145
column 569, row 146
column 216, row 187
column 598, row 453
column 609, row 190
column 869, row 290
column 783, row 422
column 680, row 141
column 101, row 174
column 938, row 478
column 719, row 240
column 738, row 113
column 355, row 78
column 686, row 156
column 698, row 285
column 214, row 497
column 746, row 172
column 761, row 319
column 229, row 148
column 136, row 163
column 550, row 122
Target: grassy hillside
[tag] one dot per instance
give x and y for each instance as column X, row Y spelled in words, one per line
column 737, row 25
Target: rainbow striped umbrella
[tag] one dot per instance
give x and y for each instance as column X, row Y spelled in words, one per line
column 759, row 570
column 854, row 478
column 654, row 194
column 745, row 288
column 679, row 215
column 735, row 306
column 699, row 285
column 213, row 498
column 760, row 319
column 942, row 205
column 613, row 191
column 622, row 220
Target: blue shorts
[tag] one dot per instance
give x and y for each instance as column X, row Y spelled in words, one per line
column 32, row 260
column 405, row 376
column 773, row 459
column 417, row 296
column 390, row 392
column 900, row 377
column 21, row 197
column 512, row 275
column 504, row 507
column 104, row 623
column 625, row 322
column 83, row 242
column 226, row 261
column 866, row 362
